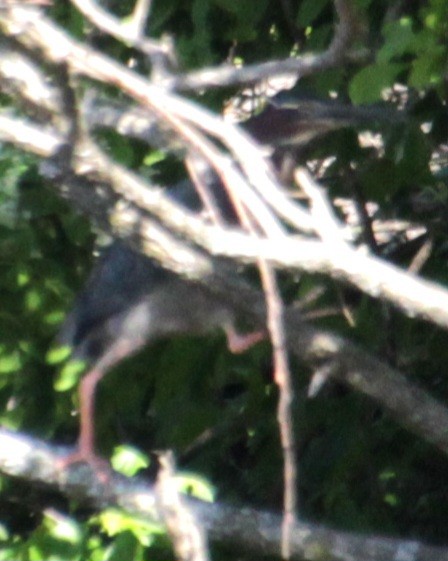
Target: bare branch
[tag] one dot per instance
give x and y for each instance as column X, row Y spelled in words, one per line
column 38, row 33
column 186, row 531
column 326, row 223
column 28, row 137
column 255, row 532
column 346, row 31
column 285, row 417
column 414, row 296
column 23, row 79
column 129, row 32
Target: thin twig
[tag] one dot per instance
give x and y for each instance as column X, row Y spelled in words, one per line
column 186, row 532
column 129, row 33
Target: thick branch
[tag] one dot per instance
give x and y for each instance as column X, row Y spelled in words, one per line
column 255, row 532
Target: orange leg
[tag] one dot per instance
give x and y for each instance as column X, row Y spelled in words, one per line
column 86, row 442
column 85, row 451
column 238, row 342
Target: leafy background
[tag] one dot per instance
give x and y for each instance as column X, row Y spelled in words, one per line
column 358, row 469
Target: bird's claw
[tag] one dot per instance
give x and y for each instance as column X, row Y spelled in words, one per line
column 98, row 465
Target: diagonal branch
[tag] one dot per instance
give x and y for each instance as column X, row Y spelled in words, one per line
column 409, row 405
column 414, row 296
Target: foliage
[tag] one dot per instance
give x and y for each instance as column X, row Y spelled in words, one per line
column 358, row 470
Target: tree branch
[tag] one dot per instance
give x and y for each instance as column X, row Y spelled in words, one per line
column 347, row 30
column 409, row 405
column 255, row 532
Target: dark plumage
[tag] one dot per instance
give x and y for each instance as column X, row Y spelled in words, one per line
column 295, row 118
column 128, row 297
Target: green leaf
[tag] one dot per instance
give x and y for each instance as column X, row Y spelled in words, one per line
column 378, row 179
column 387, row 475
column 10, row 362
column 4, row 533
column 114, row 522
column 410, row 153
column 58, row 354
column 196, row 486
column 125, row 546
column 154, row 157
column 427, row 69
column 398, row 40
column 128, row 460
column 33, row 300
column 62, row 527
column 369, row 83
column 55, row 317
column 69, row 375
column 23, row 277
column 391, row 499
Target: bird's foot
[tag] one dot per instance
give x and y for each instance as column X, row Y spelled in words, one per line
column 239, row 343
column 99, row 465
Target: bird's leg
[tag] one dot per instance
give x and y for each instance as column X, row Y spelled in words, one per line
column 86, row 441
column 85, row 451
column 239, row 342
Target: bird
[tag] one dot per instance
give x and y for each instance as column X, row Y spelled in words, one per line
column 296, row 117
column 129, row 300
